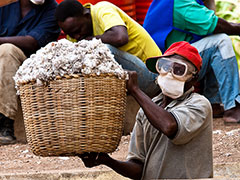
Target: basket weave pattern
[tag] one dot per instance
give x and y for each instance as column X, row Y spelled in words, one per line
column 73, row 115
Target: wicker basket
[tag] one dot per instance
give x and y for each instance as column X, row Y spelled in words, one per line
column 74, row 115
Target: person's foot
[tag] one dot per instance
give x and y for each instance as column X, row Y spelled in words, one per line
column 232, row 115
column 6, row 131
column 218, row 110
column 7, row 137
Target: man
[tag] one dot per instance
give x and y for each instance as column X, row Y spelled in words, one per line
column 25, row 26
column 190, row 20
column 172, row 137
column 127, row 40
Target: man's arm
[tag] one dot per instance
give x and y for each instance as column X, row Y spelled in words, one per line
column 36, row 32
column 131, row 168
column 116, row 36
column 26, row 43
column 210, row 4
column 229, row 28
column 157, row 116
column 223, row 26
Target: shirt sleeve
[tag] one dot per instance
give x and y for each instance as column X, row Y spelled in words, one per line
column 47, row 29
column 108, row 18
column 136, row 147
column 198, row 19
column 192, row 117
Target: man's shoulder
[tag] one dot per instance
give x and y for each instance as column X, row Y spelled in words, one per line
column 195, row 95
column 197, row 99
column 185, row 2
column 50, row 3
column 104, row 5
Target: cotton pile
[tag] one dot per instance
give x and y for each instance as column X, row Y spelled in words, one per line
column 65, row 58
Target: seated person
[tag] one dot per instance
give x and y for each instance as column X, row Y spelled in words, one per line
column 192, row 21
column 25, row 26
column 128, row 41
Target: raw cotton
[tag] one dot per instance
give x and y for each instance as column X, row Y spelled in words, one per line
column 63, row 57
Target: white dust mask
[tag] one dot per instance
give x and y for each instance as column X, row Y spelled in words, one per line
column 37, row 2
column 171, row 86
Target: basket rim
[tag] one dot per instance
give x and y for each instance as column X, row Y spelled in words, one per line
column 71, row 76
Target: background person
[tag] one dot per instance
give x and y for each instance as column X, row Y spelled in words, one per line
column 127, row 40
column 25, row 26
column 190, row 20
column 172, row 137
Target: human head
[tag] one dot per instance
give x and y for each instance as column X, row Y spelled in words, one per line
column 177, row 68
column 181, row 48
column 74, row 19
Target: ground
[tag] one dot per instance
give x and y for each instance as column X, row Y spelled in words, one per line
column 18, row 158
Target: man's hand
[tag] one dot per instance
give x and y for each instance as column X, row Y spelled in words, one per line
column 132, row 168
column 132, row 83
column 27, row 44
column 93, row 159
column 88, row 38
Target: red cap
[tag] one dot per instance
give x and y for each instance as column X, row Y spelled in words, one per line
column 181, row 48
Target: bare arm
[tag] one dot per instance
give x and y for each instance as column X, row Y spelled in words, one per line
column 26, row 43
column 223, row 26
column 116, row 36
column 131, row 169
column 157, row 116
column 229, row 28
column 210, row 4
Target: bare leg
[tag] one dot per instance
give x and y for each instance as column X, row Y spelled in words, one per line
column 232, row 115
column 218, row 110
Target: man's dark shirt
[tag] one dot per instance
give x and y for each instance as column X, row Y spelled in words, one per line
column 39, row 23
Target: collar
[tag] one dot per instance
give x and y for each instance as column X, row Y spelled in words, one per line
column 158, row 99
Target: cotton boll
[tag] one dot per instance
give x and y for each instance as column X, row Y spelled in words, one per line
column 39, row 82
column 66, row 58
column 87, row 71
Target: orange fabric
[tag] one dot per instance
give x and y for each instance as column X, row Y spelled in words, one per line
column 6, row 2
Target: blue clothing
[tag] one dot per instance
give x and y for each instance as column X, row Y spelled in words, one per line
column 152, row 23
column 219, row 72
column 39, row 23
column 146, row 79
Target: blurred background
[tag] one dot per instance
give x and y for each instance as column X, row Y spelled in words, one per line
column 230, row 10
column 137, row 9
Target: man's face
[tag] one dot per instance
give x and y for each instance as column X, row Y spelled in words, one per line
column 77, row 27
column 175, row 75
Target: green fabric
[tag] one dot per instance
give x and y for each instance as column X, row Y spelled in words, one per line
column 188, row 15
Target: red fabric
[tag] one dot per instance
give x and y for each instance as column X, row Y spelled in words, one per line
column 186, row 50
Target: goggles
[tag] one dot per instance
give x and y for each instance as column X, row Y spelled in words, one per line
column 178, row 69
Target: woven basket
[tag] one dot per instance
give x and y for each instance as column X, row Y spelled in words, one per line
column 73, row 115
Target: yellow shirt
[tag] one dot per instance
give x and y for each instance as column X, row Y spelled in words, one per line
column 106, row 15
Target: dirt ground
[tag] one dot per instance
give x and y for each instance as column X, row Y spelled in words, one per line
column 18, row 158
